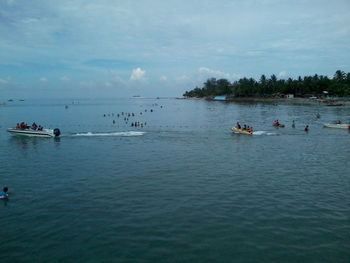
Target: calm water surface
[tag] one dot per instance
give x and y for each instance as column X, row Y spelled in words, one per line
column 182, row 188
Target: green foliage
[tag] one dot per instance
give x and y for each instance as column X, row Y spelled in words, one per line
column 244, row 87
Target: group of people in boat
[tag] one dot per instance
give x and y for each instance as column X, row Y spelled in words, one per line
column 276, row 123
column 34, row 126
column 244, row 128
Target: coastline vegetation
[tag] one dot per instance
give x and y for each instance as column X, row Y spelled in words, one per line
column 272, row 87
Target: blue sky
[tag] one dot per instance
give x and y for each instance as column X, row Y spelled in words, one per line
column 112, row 48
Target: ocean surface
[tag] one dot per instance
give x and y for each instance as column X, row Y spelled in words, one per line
column 182, row 188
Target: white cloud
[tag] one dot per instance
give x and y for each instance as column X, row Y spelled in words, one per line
column 43, row 79
column 205, row 73
column 163, row 78
column 283, row 75
column 138, row 74
column 213, row 73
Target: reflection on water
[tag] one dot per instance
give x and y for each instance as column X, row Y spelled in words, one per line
column 26, row 141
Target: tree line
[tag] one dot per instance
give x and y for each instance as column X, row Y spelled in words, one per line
column 316, row 85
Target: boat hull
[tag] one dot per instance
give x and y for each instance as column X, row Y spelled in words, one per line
column 48, row 133
column 236, row 130
column 337, row 126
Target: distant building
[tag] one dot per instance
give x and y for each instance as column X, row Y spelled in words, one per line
column 290, row 96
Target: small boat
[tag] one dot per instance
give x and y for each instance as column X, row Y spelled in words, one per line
column 236, row 130
column 337, row 125
column 38, row 133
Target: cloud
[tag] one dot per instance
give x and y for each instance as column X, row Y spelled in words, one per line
column 163, row 78
column 138, row 74
column 205, row 73
column 213, row 73
column 64, row 38
column 283, row 75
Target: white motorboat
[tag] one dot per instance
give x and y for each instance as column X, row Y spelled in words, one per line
column 337, row 125
column 38, row 133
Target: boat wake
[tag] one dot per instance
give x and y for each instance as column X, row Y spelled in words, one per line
column 264, row 133
column 125, row 134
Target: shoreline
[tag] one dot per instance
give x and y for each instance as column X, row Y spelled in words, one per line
column 303, row 101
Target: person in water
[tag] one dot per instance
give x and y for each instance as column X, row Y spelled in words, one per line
column 4, row 193
column 306, row 128
column 293, row 124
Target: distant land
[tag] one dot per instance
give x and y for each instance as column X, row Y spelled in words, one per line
column 308, row 86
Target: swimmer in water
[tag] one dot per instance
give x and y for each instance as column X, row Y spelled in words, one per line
column 4, row 193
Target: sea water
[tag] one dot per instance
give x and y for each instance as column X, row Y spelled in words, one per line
column 181, row 188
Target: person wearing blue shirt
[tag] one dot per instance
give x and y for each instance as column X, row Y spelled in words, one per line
column 4, row 193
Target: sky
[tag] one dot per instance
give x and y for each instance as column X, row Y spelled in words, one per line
column 162, row 48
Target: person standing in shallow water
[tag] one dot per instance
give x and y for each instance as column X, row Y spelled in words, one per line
column 306, row 128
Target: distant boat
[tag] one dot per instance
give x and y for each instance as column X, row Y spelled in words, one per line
column 10, row 100
column 337, row 125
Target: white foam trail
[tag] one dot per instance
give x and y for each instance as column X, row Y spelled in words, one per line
column 129, row 133
column 263, row 133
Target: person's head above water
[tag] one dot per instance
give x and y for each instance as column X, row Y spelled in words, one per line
column 5, row 189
